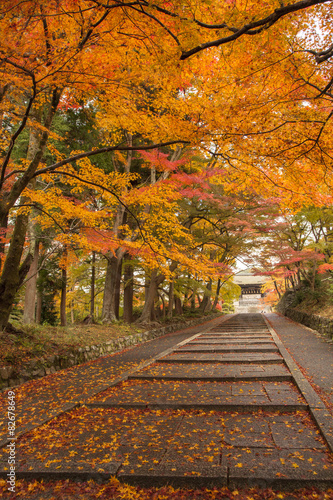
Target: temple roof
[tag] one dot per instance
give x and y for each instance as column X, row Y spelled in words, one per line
column 248, row 277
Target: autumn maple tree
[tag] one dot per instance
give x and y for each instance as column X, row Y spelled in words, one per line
column 53, row 57
column 245, row 83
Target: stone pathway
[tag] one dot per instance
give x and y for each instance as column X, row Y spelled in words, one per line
column 227, row 406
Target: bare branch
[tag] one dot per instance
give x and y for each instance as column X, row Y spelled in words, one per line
column 37, row 207
column 23, row 122
column 252, row 28
column 323, row 55
column 158, row 22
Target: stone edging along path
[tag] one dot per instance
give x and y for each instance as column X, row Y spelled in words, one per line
column 36, row 368
column 318, row 323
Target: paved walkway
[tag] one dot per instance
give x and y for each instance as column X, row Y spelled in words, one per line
column 311, row 350
column 223, row 404
column 40, row 400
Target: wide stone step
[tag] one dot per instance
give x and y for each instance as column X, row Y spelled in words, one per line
column 204, row 395
column 213, row 356
column 223, row 349
column 207, row 371
column 242, row 336
column 178, row 446
column 237, row 343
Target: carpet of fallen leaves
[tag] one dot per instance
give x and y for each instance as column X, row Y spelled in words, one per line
column 99, row 437
column 75, row 385
column 42, row 399
column 39, row 341
column 114, row 490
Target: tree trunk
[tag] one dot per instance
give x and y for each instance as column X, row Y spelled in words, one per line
column 12, row 274
column 111, row 281
column 39, row 308
column 277, row 289
column 3, row 234
column 117, row 288
column 92, row 287
column 216, row 299
column 31, row 289
column 63, row 319
column 178, row 306
column 72, row 312
column 147, row 285
column 171, row 299
column 128, row 290
column 205, row 304
column 193, row 302
column 148, row 313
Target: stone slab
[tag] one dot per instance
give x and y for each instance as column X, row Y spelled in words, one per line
column 295, row 435
column 178, row 477
column 206, row 371
column 244, row 335
column 247, row 343
column 278, row 468
column 285, row 393
column 307, row 347
column 248, row 331
column 197, row 356
column 231, row 348
column 56, row 470
column 217, row 446
column 236, row 345
column 43, row 399
column 185, row 395
column 194, row 442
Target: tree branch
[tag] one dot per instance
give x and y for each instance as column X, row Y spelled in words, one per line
column 23, row 122
column 106, row 149
column 252, row 28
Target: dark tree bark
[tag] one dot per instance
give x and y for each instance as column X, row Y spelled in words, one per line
column 171, row 299
column 148, row 313
column 92, row 287
column 63, row 319
column 117, row 288
column 193, row 302
column 216, row 299
column 111, row 282
column 128, row 290
column 29, row 314
column 206, row 304
column 39, row 308
column 178, row 306
column 3, row 232
column 13, row 274
column 277, row 289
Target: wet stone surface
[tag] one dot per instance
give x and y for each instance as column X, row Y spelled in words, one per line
column 143, row 393
column 217, row 372
column 156, row 442
column 214, row 356
column 222, row 407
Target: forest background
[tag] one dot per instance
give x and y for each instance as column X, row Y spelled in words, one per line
column 148, row 146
